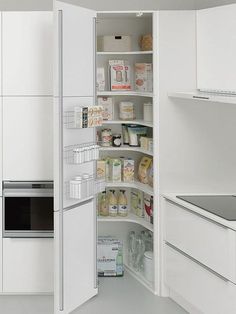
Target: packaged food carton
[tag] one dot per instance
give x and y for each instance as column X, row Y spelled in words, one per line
column 101, row 169
column 101, row 79
column 136, row 200
column 115, row 166
column 128, row 170
column 119, row 72
column 148, row 208
column 143, row 77
column 107, row 104
column 110, row 257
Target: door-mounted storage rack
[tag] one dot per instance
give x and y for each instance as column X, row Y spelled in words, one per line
column 81, row 188
column 81, row 153
column 82, row 117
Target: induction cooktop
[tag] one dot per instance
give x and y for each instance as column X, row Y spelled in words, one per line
column 223, row 206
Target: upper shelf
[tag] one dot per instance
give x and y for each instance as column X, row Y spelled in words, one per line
column 124, row 93
column 210, row 97
column 102, row 53
column 139, row 122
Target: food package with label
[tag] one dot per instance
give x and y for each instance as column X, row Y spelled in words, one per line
column 128, row 169
column 115, row 170
column 144, row 166
column 110, row 257
column 107, row 104
column 136, row 201
column 143, row 77
column 146, row 143
column 119, row 73
column 101, row 79
column 101, row 169
column 135, row 132
column 148, row 207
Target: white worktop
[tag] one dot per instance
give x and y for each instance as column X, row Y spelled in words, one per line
column 172, row 197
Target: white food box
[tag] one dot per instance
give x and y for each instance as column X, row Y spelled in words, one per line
column 107, row 261
column 119, row 73
column 114, row 43
column 143, row 77
column 107, row 104
column 100, row 79
column 128, row 170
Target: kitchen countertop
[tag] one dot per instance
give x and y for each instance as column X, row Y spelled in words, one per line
column 173, row 198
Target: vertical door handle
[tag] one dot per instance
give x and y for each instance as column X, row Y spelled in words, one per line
column 61, row 179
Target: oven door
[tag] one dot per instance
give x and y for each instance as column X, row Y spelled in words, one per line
column 27, row 209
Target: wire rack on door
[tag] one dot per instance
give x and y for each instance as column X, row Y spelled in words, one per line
column 81, row 153
column 84, row 186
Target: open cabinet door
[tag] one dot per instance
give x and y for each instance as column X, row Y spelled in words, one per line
column 75, row 221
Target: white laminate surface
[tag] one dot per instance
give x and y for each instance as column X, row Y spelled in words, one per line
column 116, row 295
column 172, row 197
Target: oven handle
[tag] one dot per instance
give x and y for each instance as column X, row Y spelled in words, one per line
column 28, row 193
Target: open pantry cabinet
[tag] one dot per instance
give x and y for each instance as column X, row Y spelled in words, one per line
column 79, row 147
column 134, row 25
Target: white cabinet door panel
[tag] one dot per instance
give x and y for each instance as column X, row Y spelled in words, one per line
column 28, row 265
column 27, row 138
column 27, row 49
column 204, row 290
column 206, row 241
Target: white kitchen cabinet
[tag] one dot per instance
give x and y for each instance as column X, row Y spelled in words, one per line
column 27, row 265
column 210, row 243
column 200, row 288
column 27, row 138
column 27, row 49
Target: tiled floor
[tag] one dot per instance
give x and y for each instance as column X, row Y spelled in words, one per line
column 116, row 296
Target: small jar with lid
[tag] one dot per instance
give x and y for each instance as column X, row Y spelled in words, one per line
column 116, row 140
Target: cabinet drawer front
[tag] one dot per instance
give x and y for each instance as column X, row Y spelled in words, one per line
column 201, row 288
column 206, row 241
column 28, row 265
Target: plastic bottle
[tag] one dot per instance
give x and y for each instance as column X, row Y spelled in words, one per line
column 103, row 208
column 113, row 208
column 122, row 201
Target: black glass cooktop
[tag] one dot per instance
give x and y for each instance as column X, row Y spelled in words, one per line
column 223, row 206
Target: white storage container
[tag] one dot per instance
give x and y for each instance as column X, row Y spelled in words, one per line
column 114, row 43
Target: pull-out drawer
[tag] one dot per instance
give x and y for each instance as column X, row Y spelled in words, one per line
column 208, row 242
column 204, row 290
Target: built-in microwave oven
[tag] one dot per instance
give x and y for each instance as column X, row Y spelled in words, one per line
column 27, row 209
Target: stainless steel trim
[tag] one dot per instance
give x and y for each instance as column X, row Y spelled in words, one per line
column 27, row 234
column 197, row 214
column 196, row 261
column 94, row 139
column 28, row 193
column 28, row 184
column 60, row 89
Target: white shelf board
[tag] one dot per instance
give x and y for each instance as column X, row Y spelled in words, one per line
column 126, row 148
column 210, row 97
column 124, row 93
column 130, row 218
column 139, row 122
column 139, row 276
column 102, row 53
column 136, row 185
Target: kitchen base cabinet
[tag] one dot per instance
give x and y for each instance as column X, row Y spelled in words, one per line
column 206, row 291
column 27, row 266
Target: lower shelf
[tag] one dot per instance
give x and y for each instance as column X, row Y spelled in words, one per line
column 139, row 276
column 130, row 218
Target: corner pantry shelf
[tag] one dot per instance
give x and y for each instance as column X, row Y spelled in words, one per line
column 210, row 97
column 125, row 148
column 125, row 93
column 102, row 53
column 140, row 277
column 136, row 185
column 130, row 218
column 139, row 122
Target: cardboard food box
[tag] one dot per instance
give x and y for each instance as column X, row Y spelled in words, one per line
column 136, row 197
column 101, row 79
column 128, row 170
column 148, row 208
column 110, row 257
column 107, row 104
column 119, row 73
column 101, row 169
column 143, row 77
